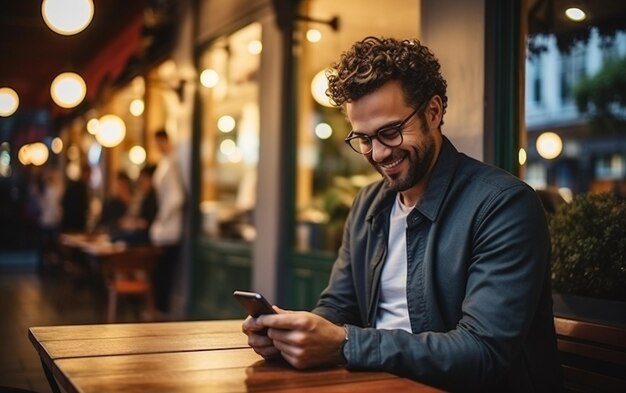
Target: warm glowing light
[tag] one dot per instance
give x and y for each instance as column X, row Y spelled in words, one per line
column 93, row 125
column 111, row 132
column 228, row 147
column 68, row 90
column 549, row 145
column 38, row 153
column 9, row 101
column 319, row 85
column 313, row 35
column 73, row 152
column 575, row 14
column 56, row 145
column 521, row 156
column 67, row 17
column 33, row 153
column 136, row 107
column 209, row 78
column 226, row 123
column 23, row 155
column 72, row 170
column 255, row 47
column 323, row 130
column 137, row 155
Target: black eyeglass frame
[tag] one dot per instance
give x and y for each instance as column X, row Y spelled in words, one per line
column 397, row 128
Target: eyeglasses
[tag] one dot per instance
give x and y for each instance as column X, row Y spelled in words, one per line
column 390, row 136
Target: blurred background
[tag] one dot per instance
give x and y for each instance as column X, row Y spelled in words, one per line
column 536, row 87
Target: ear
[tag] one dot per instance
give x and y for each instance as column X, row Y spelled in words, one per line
column 434, row 112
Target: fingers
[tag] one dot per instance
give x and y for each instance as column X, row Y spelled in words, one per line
column 286, row 320
column 258, row 340
column 267, row 352
column 252, row 326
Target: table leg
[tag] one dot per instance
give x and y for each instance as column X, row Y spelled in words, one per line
column 50, row 377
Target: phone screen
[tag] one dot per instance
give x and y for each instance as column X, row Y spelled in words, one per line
column 254, row 303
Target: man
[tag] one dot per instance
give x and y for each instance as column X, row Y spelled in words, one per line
column 167, row 228
column 116, row 206
column 135, row 225
column 75, row 202
column 443, row 273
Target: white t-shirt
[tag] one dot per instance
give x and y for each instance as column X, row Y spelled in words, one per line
column 393, row 312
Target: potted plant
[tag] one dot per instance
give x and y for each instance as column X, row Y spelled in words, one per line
column 589, row 253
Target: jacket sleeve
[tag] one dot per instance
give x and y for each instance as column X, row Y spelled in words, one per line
column 338, row 302
column 504, row 281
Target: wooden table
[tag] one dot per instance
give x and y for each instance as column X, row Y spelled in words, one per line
column 193, row 356
column 91, row 244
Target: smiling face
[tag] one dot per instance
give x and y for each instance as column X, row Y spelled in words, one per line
column 406, row 167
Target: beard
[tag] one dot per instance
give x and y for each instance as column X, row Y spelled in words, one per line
column 420, row 159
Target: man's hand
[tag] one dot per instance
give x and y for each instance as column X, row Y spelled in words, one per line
column 304, row 339
column 257, row 337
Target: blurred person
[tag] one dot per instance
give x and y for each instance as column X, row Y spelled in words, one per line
column 443, row 274
column 117, row 204
column 167, row 228
column 51, row 213
column 75, row 202
column 134, row 227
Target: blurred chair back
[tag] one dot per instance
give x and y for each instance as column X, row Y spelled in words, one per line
column 129, row 272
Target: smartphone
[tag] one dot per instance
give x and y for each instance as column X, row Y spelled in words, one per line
column 254, row 303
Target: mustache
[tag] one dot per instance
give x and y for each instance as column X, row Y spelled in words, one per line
column 395, row 155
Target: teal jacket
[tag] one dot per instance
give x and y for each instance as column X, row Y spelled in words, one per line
column 478, row 286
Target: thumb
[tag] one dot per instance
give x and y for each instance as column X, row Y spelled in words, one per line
column 280, row 310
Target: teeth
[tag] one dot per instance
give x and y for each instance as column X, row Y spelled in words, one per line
column 391, row 164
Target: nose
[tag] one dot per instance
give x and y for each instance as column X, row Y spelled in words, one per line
column 379, row 151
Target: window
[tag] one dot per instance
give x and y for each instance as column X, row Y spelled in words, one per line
column 329, row 173
column 589, row 144
column 230, row 133
column 572, row 71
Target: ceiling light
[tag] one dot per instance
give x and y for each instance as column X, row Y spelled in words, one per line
column 137, row 155
column 137, row 107
column 111, row 131
column 209, row 78
column 23, row 154
column 319, row 85
column 323, row 130
column 92, row 126
column 549, row 145
column 576, row 14
column 226, row 123
column 38, row 153
column 67, row 17
column 9, row 101
column 313, row 35
column 68, row 90
column 56, row 145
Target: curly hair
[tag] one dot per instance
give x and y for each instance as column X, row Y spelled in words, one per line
column 373, row 61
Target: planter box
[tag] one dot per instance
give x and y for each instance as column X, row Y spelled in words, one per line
column 604, row 311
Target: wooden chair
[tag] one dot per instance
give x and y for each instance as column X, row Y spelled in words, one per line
column 129, row 273
column 593, row 356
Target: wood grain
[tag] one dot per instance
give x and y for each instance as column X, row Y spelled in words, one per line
column 201, row 356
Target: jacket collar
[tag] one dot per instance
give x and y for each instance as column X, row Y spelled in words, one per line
column 439, row 182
